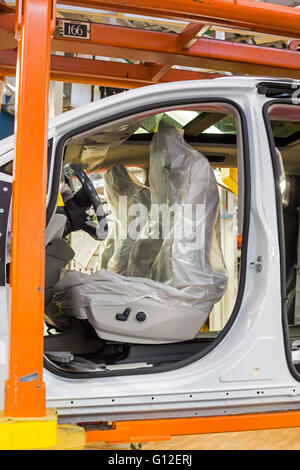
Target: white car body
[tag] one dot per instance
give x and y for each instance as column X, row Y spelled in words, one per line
column 248, row 370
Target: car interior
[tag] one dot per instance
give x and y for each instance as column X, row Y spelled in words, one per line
column 153, row 194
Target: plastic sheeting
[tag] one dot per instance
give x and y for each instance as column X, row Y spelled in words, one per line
column 180, row 244
column 90, row 151
column 177, row 257
column 77, row 291
column 124, row 192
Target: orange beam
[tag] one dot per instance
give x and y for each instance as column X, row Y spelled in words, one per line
column 144, row 41
column 118, row 75
column 163, row 429
column 233, row 51
column 4, row 8
column 7, row 21
column 105, row 73
column 158, row 71
column 25, row 389
column 166, row 48
column 7, row 40
column 186, row 39
column 243, row 14
column 187, row 36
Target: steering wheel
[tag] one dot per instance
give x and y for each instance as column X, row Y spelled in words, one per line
column 82, row 200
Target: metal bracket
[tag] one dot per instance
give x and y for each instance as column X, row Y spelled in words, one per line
column 31, row 378
column 258, row 264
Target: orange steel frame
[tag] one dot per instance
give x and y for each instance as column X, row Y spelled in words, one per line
column 164, row 429
column 244, row 14
column 168, row 48
column 25, row 390
column 161, row 51
column 74, row 69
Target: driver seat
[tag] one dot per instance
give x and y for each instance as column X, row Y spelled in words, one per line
column 123, row 190
column 173, row 299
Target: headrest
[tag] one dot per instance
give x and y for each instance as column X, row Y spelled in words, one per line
column 178, row 173
column 119, row 182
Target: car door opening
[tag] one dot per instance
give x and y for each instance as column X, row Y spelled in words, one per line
column 161, row 287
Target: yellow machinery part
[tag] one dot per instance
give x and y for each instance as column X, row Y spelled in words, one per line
column 40, row 433
column 28, row 433
column 60, row 201
column 230, row 178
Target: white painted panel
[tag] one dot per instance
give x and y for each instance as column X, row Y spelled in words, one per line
column 258, row 363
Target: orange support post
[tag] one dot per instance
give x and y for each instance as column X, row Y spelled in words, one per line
column 25, row 390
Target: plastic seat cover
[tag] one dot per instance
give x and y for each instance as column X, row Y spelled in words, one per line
column 185, row 270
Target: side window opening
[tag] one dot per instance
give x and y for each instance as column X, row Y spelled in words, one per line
column 91, row 262
column 7, row 168
column 130, row 160
column 285, row 125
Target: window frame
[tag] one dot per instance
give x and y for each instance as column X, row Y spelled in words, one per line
column 277, row 170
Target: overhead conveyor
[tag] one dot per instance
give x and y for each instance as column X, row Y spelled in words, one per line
column 155, row 52
column 244, row 14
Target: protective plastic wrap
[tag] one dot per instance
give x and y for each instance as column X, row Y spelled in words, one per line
column 182, row 247
column 171, row 315
column 123, row 191
column 176, row 269
column 77, row 290
column 90, row 151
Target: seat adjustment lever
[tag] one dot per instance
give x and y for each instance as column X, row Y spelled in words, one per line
column 123, row 316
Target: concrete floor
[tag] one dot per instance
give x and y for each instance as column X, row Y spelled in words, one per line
column 275, row 439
